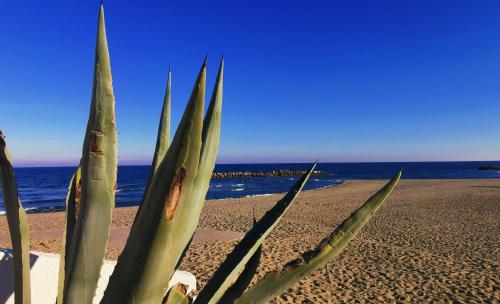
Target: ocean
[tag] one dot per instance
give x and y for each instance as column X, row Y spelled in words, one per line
column 44, row 189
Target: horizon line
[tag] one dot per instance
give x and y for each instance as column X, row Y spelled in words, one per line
column 276, row 163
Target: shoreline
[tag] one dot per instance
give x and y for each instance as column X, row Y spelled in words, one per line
column 55, row 209
column 423, row 245
column 48, row 209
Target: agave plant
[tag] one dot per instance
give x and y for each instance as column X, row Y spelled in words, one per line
column 167, row 218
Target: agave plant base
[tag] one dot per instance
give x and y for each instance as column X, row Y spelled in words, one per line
column 44, row 267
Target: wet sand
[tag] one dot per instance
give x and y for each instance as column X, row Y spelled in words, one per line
column 434, row 241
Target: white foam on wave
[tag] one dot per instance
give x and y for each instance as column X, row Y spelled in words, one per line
column 325, row 187
column 238, row 189
column 237, row 185
column 257, row 195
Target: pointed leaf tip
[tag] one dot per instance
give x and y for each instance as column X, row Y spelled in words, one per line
column 100, row 19
column 203, row 71
column 221, row 64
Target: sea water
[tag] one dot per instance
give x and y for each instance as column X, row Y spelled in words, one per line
column 44, row 189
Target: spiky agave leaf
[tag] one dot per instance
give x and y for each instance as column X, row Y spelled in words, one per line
column 208, row 155
column 175, row 175
column 169, row 213
column 173, row 232
column 98, row 183
column 233, row 265
column 163, row 138
column 274, row 283
column 72, row 208
column 244, row 279
column 18, row 227
column 209, row 149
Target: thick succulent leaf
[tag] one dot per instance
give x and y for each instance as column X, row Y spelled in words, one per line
column 72, row 206
column 209, row 149
column 18, row 227
column 163, row 138
column 274, row 283
column 98, row 183
column 177, row 295
column 244, row 280
column 210, row 139
column 212, row 124
column 159, row 235
column 235, row 262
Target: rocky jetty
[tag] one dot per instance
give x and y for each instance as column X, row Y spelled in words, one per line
column 266, row 173
column 489, row 167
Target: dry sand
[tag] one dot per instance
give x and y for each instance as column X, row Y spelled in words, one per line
column 433, row 241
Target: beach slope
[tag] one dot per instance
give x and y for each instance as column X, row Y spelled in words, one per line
column 433, row 241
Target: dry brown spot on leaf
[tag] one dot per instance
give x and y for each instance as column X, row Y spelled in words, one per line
column 175, row 192
column 96, row 141
column 78, row 192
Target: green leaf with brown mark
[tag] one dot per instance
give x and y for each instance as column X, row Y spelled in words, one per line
column 163, row 136
column 155, row 244
column 177, row 295
column 98, row 181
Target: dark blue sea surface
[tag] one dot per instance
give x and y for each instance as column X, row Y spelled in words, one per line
column 44, row 189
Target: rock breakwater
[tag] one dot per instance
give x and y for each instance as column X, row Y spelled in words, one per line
column 266, row 173
column 489, row 167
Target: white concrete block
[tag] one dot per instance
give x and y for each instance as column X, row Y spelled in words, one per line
column 44, row 272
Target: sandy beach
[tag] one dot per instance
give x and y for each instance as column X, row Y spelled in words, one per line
column 434, row 241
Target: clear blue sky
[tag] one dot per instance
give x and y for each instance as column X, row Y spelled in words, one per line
column 335, row 80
